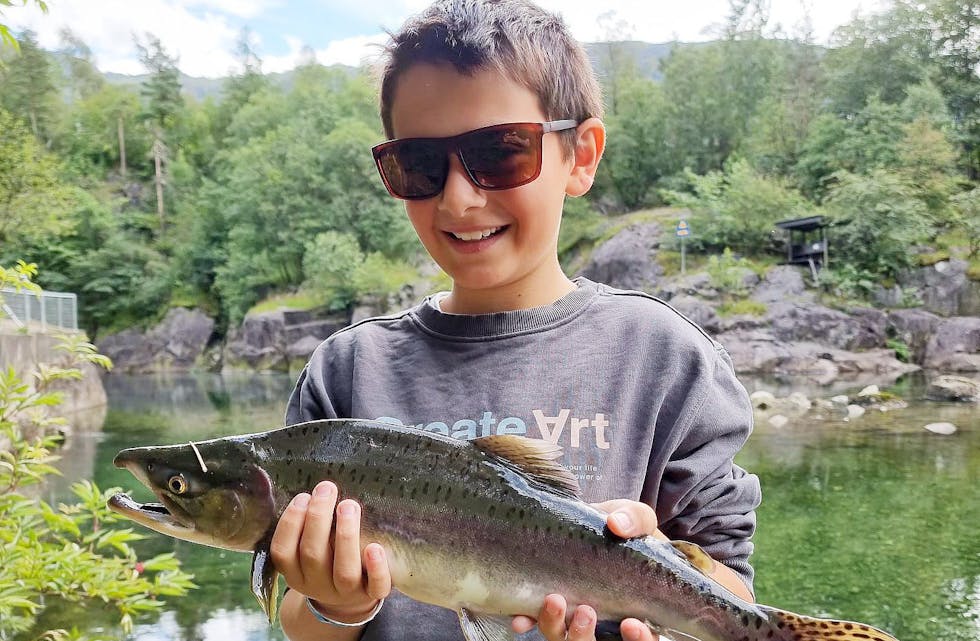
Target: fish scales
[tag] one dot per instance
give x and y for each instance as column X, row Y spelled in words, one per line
column 487, row 527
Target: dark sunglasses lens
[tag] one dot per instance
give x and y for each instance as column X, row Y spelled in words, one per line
column 414, row 168
column 503, row 157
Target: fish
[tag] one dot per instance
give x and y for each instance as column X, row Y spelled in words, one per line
column 527, row 531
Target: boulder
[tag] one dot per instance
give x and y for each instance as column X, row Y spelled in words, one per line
column 955, row 346
column 176, row 343
column 944, row 288
column 860, row 328
column 628, row 259
column 279, row 340
column 781, row 283
column 914, row 327
column 944, row 429
column 954, row 388
column 697, row 310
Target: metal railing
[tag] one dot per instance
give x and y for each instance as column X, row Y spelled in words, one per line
column 57, row 309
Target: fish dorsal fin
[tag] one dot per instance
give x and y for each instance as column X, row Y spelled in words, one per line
column 696, row 556
column 533, row 457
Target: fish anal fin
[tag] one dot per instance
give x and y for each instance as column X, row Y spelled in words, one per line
column 478, row 627
column 696, row 556
column 796, row 627
column 265, row 581
column 533, row 457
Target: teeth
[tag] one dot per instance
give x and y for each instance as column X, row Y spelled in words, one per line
column 475, row 235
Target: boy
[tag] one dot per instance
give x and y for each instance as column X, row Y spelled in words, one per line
column 492, row 114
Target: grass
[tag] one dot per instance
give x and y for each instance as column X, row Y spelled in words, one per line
column 742, row 307
column 299, row 300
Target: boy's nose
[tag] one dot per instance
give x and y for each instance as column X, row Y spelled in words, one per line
column 460, row 194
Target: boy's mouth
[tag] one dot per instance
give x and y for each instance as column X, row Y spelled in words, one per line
column 478, row 235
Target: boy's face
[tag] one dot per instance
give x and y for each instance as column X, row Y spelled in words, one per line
column 495, row 245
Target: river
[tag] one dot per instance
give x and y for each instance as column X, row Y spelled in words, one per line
column 875, row 520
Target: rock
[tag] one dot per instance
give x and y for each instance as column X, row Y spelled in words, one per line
column 940, row 428
column 944, row 288
column 914, row 327
column 861, row 328
column 277, row 340
column 955, row 346
column 781, row 283
column 697, row 310
column 176, row 343
column 799, row 401
column 762, row 399
column 854, row 411
column 628, row 259
column 870, row 390
column 840, row 400
column 954, row 388
column 778, row 421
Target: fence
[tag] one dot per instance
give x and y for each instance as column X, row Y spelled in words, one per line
column 56, row 309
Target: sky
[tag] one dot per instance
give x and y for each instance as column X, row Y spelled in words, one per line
column 203, row 33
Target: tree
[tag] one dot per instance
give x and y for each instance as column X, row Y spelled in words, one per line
column 28, row 87
column 7, row 39
column 33, row 199
column 162, row 101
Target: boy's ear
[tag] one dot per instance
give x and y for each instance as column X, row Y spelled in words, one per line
column 589, row 145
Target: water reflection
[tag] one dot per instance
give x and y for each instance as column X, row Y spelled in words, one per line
column 874, row 520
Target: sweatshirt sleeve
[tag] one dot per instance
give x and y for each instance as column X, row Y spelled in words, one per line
column 704, row 497
column 319, row 389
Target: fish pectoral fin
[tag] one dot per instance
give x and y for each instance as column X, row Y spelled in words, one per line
column 796, row 627
column 477, row 627
column 265, row 581
column 696, row 556
column 533, row 457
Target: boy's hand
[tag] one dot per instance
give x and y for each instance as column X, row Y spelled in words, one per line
column 344, row 582
column 628, row 519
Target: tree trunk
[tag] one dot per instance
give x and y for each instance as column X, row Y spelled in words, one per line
column 158, row 151
column 122, row 147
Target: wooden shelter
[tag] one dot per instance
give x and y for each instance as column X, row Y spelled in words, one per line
column 807, row 242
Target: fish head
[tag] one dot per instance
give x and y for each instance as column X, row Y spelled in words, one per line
column 209, row 494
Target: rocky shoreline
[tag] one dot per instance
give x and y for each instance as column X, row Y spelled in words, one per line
column 796, row 335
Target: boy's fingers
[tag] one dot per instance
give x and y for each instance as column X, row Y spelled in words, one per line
column 628, row 519
column 285, row 540
column 551, row 619
column 582, row 627
column 378, row 574
column 635, row 630
column 314, row 547
column 348, row 574
column 521, row 624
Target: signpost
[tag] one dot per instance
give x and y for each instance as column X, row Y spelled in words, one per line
column 682, row 231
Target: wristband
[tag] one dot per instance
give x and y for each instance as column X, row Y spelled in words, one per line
column 325, row 619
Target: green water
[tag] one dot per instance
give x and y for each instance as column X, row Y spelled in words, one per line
column 875, row 520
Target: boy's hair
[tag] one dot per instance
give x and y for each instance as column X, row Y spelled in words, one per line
column 513, row 37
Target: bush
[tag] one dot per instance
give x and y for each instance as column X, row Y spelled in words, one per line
column 72, row 552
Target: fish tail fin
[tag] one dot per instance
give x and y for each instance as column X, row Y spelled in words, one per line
column 797, row 627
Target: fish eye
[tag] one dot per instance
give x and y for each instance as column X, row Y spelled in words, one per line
column 177, row 484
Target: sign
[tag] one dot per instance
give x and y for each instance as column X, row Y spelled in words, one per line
column 682, row 230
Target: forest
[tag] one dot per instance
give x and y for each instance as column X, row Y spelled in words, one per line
column 140, row 197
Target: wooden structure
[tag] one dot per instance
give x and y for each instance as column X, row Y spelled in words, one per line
column 807, row 243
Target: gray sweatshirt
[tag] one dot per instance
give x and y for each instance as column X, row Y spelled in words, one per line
column 645, row 405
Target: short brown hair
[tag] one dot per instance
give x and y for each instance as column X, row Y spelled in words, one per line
column 514, row 37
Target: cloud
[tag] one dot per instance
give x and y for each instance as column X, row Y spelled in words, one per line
column 350, row 51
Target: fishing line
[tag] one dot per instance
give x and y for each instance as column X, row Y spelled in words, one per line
column 200, row 459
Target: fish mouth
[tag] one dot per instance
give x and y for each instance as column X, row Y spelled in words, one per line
column 155, row 516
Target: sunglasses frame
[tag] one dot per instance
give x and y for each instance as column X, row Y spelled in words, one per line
column 450, row 144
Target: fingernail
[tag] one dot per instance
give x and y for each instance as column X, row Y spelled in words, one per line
column 623, row 520
column 375, row 553
column 582, row 618
column 554, row 609
column 347, row 508
column 324, row 489
column 301, row 500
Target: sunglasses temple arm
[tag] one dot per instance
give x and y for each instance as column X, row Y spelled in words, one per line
column 559, row 125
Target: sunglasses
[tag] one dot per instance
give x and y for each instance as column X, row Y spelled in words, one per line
column 496, row 157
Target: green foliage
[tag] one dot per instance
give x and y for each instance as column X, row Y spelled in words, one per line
column 967, row 206
column 28, row 87
column 876, row 219
column 33, row 199
column 728, row 272
column 902, row 351
column 737, row 208
column 742, row 307
column 72, row 552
